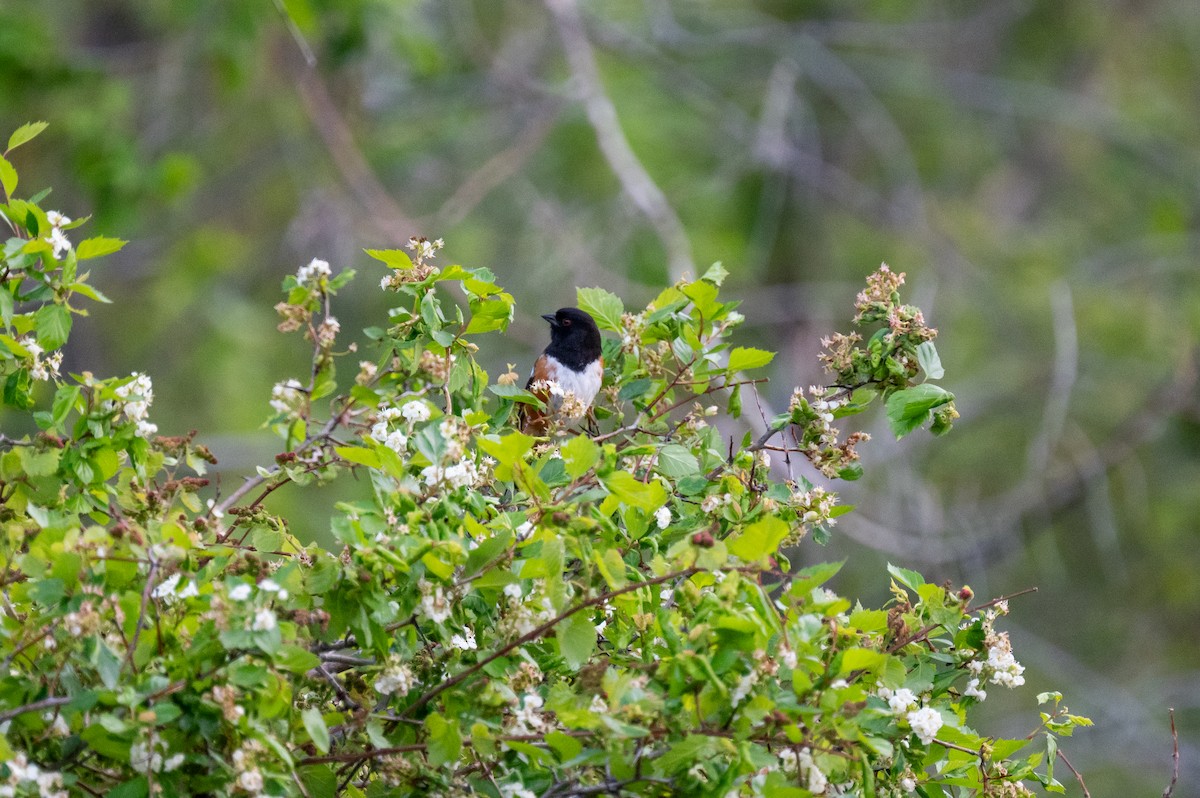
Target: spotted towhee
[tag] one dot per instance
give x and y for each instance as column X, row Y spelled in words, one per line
column 567, row 376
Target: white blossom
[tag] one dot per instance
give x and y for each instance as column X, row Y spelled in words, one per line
column 56, row 219
column 900, row 700
column 135, row 398
column 464, row 641
column 313, row 271
column 286, row 396
column 662, row 517
column 529, row 719
column 166, row 587
column 908, row 784
column 396, row 678
column 925, row 723
column 264, row 620
column 415, row 411
column 58, row 239
column 434, row 603
column 240, row 591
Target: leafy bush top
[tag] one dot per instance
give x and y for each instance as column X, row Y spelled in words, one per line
column 599, row 612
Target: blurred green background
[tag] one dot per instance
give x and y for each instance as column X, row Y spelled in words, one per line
column 1033, row 166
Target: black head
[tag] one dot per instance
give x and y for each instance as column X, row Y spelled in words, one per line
column 574, row 337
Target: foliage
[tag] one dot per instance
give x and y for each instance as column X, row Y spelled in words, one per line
column 608, row 612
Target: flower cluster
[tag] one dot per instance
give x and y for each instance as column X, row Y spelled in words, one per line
column 287, row 397
column 134, row 402
column 818, row 439
column 21, row 771
column 313, row 272
column 395, row 679
column 39, row 369
column 382, row 432
column 58, row 237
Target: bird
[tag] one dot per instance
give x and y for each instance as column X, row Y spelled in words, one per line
column 567, row 375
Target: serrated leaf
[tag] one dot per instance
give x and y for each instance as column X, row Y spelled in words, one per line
column 576, row 639
column 395, row 258
column 716, row 273
column 647, row 495
column 97, row 247
column 906, row 577
column 604, row 306
column 24, row 133
column 359, row 455
column 931, row 364
column 675, row 461
column 759, row 540
column 53, row 325
column 743, row 357
column 8, row 176
column 910, row 408
column 579, row 455
column 314, row 724
column 445, row 742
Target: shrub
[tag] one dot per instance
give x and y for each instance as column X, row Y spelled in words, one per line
column 600, row 612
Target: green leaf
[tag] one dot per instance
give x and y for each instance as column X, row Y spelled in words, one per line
column 490, row 314
column 515, row 393
column 24, row 133
column 675, row 461
column 445, row 741
column 906, row 577
column 743, row 357
column 625, row 486
column 98, row 246
column 8, row 176
column 579, row 455
column 606, row 307
column 716, row 273
column 317, row 730
column 134, row 788
column 576, row 639
column 909, row 408
column 53, row 324
column 296, row 659
column 759, row 540
column 566, row 746
column 395, row 258
column 359, row 455
column 857, row 659
column 931, row 364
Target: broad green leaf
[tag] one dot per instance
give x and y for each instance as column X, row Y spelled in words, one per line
column 759, row 540
column 647, row 495
column 445, row 741
column 716, row 273
column 296, row 659
column 515, row 393
column 857, row 659
column 490, row 314
column 576, row 639
column 314, row 724
column 675, row 461
column 8, row 176
column 566, row 746
column 906, row 577
column 395, row 258
column 744, row 357
column 24, row 133
column 579, row 454
column 606, row 307
column 909, row 408
column 359, row 455
column 98, row 246
column 931, row 364
column 53, row 324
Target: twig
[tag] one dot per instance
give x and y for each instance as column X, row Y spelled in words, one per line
column 141, row 620
column 538, row 632
column 1078, row 775
column 602, row 115
column 1174, row 756
column 58, row 701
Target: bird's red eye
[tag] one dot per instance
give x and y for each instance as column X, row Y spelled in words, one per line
column 566, row 322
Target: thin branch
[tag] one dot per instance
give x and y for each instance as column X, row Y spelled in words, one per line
column 58, row 701
column 634, row 179
column 1169, row 791
column 1078, row 775
column 538, row 632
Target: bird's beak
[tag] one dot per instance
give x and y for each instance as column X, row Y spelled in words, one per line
column 550, row 318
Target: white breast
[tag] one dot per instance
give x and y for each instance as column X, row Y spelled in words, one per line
column 584, row 384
